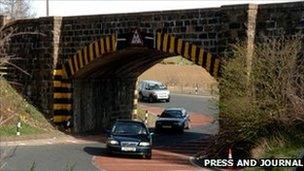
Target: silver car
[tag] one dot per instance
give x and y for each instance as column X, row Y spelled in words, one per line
column 153, row 91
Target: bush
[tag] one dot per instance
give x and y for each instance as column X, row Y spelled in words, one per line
column 263, row 102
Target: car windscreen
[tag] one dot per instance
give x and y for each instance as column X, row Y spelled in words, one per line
column 157, row 87
column 129, row 128
column 171, row 114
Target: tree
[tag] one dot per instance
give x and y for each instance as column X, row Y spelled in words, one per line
column 16, row 9
column 269, row 105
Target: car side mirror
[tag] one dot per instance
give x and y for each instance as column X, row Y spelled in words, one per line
column 151, row 135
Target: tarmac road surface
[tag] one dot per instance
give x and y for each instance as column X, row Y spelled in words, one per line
column 171, row 151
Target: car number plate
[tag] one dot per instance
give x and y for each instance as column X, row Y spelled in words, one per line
column 128, row 149
column 167, row 126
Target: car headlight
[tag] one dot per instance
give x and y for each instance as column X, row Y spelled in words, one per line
column 112, row 142
column 144, row 144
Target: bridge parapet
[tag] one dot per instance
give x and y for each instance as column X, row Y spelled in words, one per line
column 200, row 35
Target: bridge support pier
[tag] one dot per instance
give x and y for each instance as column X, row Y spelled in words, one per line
column 99, row 102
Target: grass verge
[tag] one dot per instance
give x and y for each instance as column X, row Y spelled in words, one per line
column 26, row 129
column 279, row 146
column 151, row 118
column 15, row 108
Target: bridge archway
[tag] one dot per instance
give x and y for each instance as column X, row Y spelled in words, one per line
column 97, row 85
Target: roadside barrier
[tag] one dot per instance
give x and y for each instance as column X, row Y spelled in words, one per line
column 18, row 128
column 146, row 117
column 230, row 168
column 229, row 153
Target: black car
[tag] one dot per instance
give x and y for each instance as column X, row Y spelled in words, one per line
column 130, row 137
column 173, row 119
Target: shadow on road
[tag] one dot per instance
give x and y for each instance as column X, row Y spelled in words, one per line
column 159, row 157
column 102, row 151
column 188, row 143
column 95, row 151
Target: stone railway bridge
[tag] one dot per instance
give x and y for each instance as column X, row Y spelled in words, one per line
column 85, row 68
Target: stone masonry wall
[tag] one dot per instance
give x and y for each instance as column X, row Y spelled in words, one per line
column 99, row 102
column 33, row 52
column 200, row 26
column 274, row 20
column 215, row 29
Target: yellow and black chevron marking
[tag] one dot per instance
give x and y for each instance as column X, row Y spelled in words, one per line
column 164, row 42
column 135, row 103
column 87, row 54
column 170, row 44
column 62, row 97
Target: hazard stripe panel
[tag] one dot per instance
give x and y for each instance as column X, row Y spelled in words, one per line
column 62, row 86
column 62, row 96
column 202, row 57
column 60, row 118
column 135, row 103
column 88, row 54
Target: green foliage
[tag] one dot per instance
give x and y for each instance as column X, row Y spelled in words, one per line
column 282, row 145
column 14, row 108
column 263, row 99
column 11, row 130
column 142, row 114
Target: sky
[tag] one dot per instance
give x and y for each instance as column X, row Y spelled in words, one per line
column 89, row 7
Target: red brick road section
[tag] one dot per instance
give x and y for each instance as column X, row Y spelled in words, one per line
column 163, row 159
column 160, row 161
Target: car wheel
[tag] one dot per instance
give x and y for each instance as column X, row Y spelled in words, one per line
column 140, row 97
column 167, row 100
column 181, row 130
column 148, row 156
column 188, row 125
column 155, row 130
column 151, row 99
column 109, row 152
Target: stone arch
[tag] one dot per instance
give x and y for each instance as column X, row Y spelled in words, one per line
column 162, row 42
column 62, row 96
column 177, row 46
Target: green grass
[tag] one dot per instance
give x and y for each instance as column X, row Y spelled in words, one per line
column 11, row 130
column 284, row 151
column 284, row 145
column 151, row 118
column 15, row 108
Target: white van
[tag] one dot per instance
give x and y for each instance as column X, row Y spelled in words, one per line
column 153, row 91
